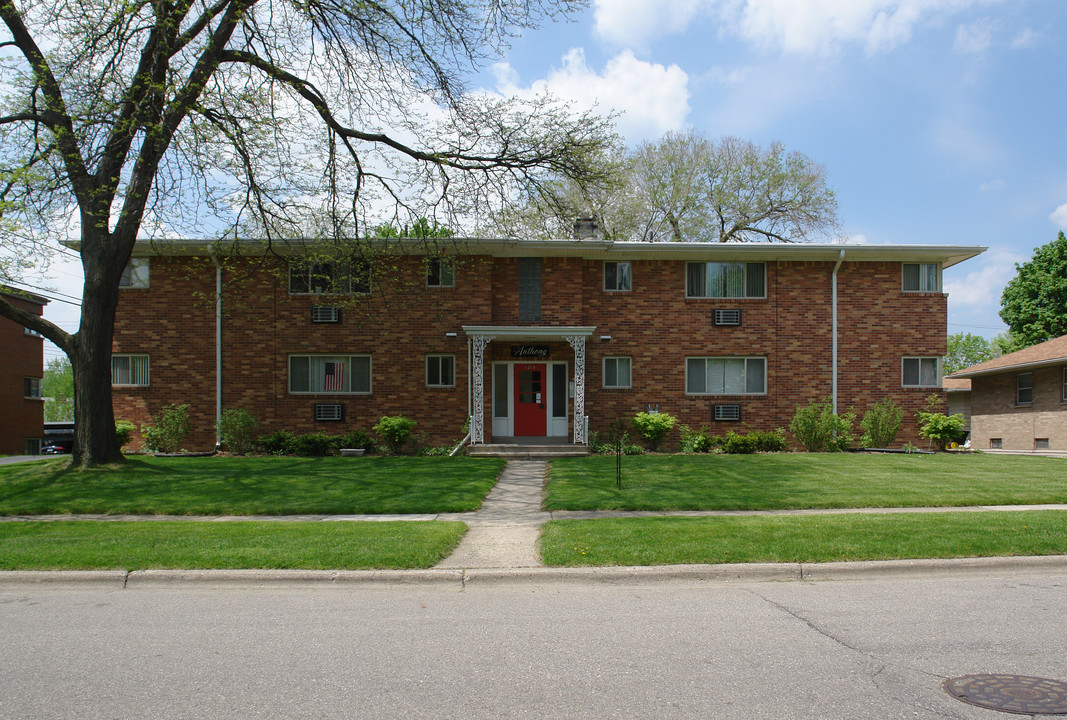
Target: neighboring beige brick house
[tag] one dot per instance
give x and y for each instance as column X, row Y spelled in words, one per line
column 1019, row 400
column 530, row 338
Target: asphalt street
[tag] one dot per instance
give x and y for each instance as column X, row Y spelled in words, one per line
column 876, row 648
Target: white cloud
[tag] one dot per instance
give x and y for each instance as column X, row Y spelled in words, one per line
column 794, row 26
column 992, row 186
column 1059, row 216
column 978, row 292
column 975, row 38
column 1026, row 38
column 651, row 98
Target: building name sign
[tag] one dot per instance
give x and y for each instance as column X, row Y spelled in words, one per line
column 529, row 351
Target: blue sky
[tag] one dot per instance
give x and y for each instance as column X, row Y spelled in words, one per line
column 938, row 121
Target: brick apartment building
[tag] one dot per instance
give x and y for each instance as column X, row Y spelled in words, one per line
column 529, row 338
column 21, row 370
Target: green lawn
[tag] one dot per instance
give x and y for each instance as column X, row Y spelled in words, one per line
column 811, row 538
column 250, row 486
column 78, row 545
column 804, row 480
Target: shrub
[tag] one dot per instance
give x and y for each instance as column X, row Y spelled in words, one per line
column 881, row 423
column 236, row 428
column 770, row 440
column 653, row 427
column 123, row 429
column 171, row 427
column 695, row 441
column 317, row 444
column 359, row 439
column 818, row 429
column 938, row 427
column 736, row 443
column 394, row 431
column 279, row 442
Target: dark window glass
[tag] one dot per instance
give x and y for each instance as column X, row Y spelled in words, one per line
column 559, row 391
column 529, row 289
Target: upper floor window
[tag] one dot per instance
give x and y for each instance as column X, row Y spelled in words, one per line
column 31, row 387
column 329, row 373
column 440, row 371
column 1064, row 396
column 529, row 289
column 726, row 280
column 921, row 277
column 616, row 372
column 330, row 277
column 920, row 372
column 1024, row 389
column 129, row 370
column 618, row 276
column 725, row 376
column 440, row 272
column 32, row 333
column 135, row 275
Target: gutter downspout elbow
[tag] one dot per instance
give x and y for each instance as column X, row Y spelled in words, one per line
column 833, row 331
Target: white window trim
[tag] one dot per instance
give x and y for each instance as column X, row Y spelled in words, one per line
column 920, row 358
column 604, row 280
column 148, row 370
column 724, row 393
column 939, row 279
column 289, row 374
column 444, row 262
column 604, row 372
column 427, row 370
column 745, row 263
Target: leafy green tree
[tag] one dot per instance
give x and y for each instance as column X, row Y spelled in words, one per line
column 1034, row 302
column 688, row 187
column 57, row 387
column 965, row 349
column 171, row 117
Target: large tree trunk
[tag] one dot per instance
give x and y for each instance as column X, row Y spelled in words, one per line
column 95, row 440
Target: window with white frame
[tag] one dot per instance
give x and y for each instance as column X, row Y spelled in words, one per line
column 920, row 372
column 617, row 372
column 31, row 387
column 618, row 276
column 440, row 371
column 1024, row 389
column 329, row 277
column 130, row 370
column 725, row 376
column 921, row 277
column 135, row 274
column 726, row 280
column 440, row 272
column 347, row 374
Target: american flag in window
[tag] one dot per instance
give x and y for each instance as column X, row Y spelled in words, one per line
column 334, row 377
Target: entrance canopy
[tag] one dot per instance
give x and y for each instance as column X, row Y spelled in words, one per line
column 480, row 336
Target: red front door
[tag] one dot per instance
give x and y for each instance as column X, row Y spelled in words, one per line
column 531, row 397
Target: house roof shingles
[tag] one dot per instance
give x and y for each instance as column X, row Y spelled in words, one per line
column 1050, row 352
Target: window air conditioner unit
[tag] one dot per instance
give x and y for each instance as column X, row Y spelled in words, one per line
column 727, row 317
column 325, row 314
column 721, row 413
column 331, row 411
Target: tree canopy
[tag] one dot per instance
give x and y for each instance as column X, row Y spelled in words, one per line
column 965, row 350
column 687, row 187
column 1034, row 302
column 121, row 118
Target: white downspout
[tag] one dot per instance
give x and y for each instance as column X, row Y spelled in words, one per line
column 833, row 302
column 218, row 351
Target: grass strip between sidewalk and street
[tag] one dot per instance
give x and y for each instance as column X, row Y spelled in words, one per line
column 779, row 481
column 242, row 544
column 250, row 486
column 808, row 538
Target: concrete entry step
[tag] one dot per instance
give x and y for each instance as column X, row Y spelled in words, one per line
column 528, row 452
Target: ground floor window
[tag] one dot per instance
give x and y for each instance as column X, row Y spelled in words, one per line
column 440, row 370
column 725, row 376
column 616, row 372
column 920, row 372
column 129, row 370
column 1024, row 389
column 329, row 373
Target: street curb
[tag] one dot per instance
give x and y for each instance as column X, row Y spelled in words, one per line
column 496, row 577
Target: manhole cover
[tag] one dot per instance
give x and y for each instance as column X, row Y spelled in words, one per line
column 1011, row 693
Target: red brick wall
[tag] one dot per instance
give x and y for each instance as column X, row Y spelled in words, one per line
column 21, row 418
column 402, row 321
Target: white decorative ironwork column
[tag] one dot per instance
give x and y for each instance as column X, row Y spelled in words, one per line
column 479, row 343
column 578, row 343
